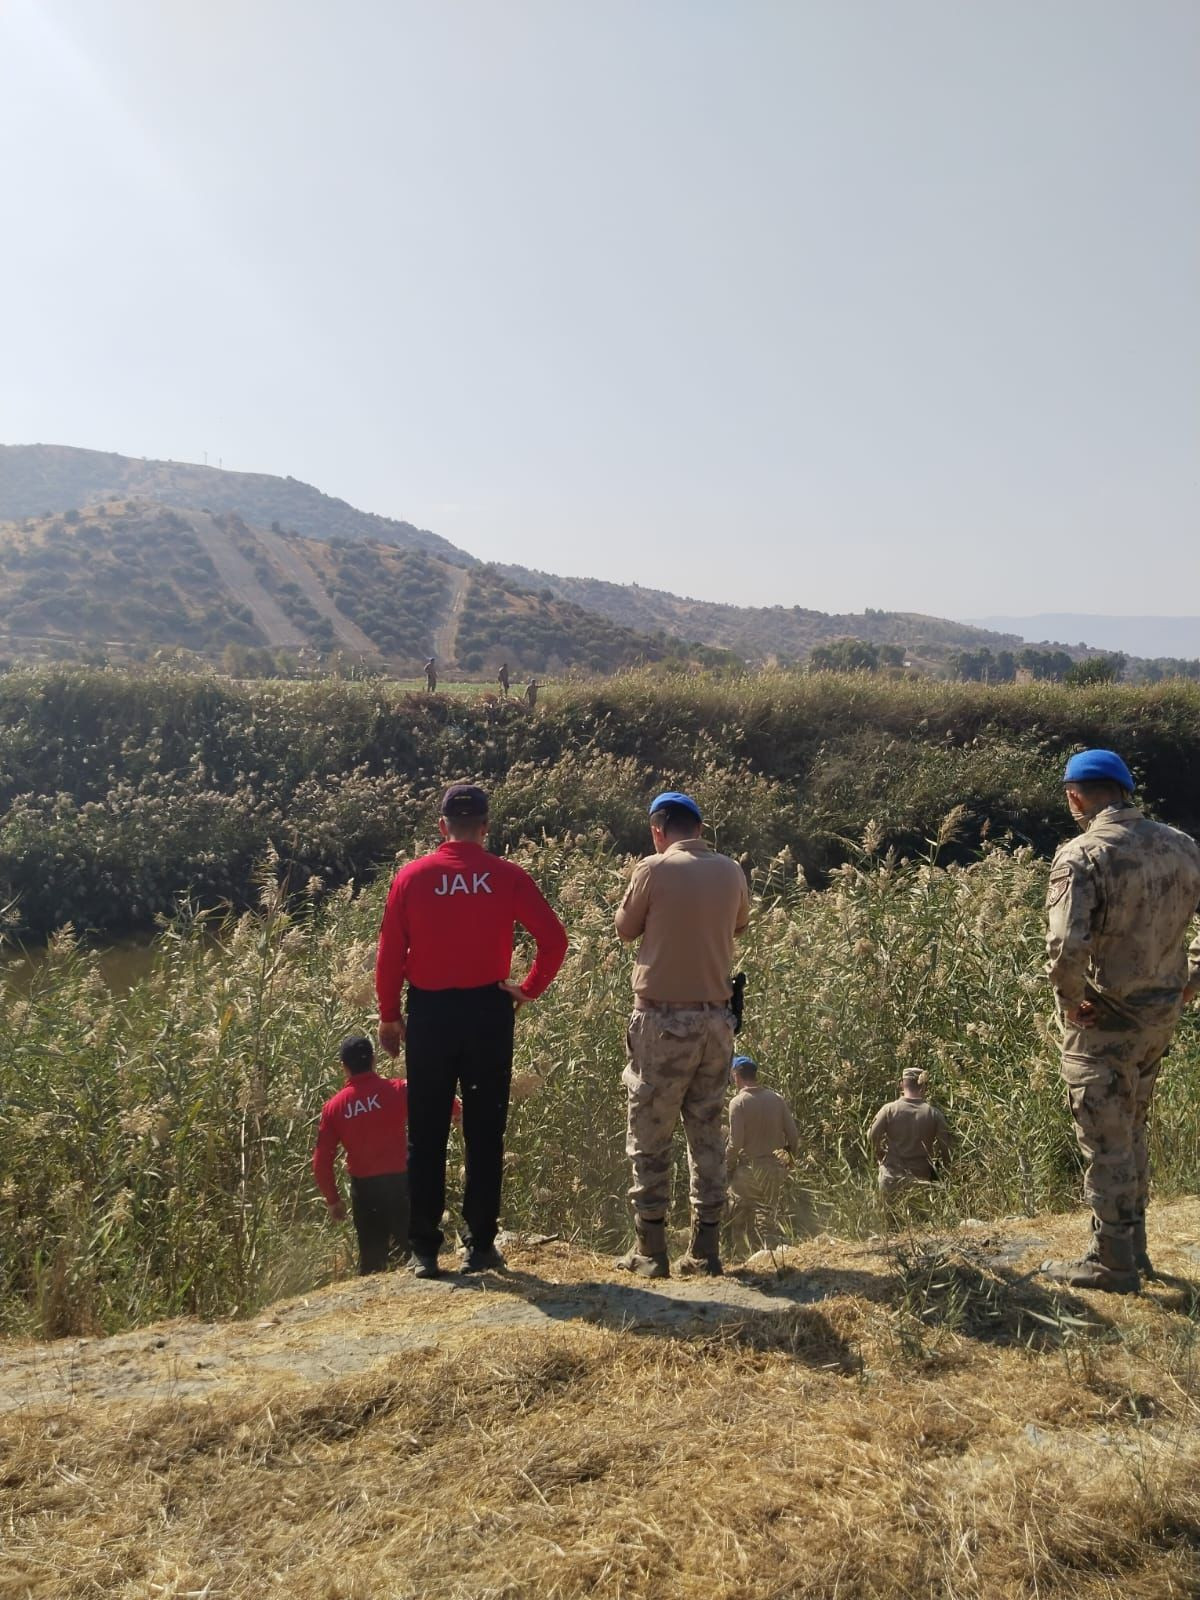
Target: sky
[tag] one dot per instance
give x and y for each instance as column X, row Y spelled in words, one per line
column 832, row 303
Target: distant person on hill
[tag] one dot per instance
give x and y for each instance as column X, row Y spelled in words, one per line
column 685, row 903
column 761, row 1125
column 448, row 934
column 502, row 679
column 1120, row 900
column 531, row 689
column 431, row 674
column 369, row 1119
column 909, row 1137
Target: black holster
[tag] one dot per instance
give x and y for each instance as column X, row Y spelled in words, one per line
column 737, row 1000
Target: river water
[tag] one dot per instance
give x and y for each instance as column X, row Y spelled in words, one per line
column 122, row 962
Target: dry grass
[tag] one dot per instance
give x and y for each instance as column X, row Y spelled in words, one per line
column 932, row 1421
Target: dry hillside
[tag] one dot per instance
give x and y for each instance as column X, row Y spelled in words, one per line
column 41, row 479
column 930, row 1419
column 781, row 633
column 44, row 480
column 128, row 576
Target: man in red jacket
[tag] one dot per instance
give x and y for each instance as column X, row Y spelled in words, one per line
column 368, row 1117
column 448, row 932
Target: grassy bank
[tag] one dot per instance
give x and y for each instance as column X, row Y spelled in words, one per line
column 119, row 793
column 154, row 1148
column 863, row 1424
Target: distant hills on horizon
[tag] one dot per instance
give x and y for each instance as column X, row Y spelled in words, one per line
column 1151, row 637
column 98, row 549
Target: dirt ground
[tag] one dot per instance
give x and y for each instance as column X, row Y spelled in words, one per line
column 920, row 1416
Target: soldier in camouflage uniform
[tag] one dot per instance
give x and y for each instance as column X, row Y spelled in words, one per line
column 685, row 903
column 1120, row 899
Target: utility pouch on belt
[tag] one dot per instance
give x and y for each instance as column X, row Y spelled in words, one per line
column 737, row 1000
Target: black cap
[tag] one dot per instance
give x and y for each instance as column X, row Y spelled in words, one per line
column 357, row 1053
column 464, row 800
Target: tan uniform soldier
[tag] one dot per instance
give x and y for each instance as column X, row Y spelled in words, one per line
column 909, row 1137
column 685, row 903
column 1120, row 899
column 761, row 1125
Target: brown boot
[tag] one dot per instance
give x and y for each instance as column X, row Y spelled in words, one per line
column 703, row 1257
column 1141, row 1256
column 1108, row 1265
column 648, row 1258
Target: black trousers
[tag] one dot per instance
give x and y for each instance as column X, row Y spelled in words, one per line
column 379, row 1207
column 457, row 1039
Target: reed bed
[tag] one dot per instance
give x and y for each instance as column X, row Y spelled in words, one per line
column 154, row 1144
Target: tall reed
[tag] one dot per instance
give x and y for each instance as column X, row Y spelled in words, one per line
column 154, row 1145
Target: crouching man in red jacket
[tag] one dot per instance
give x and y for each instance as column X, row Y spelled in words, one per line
column 369, row 1117
column 448, row 933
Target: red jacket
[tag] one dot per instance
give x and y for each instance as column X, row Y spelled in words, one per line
column 370, row 1118
column 448, row 924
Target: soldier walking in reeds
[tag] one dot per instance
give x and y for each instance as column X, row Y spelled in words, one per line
column 910, row 1138
column 763, row 1144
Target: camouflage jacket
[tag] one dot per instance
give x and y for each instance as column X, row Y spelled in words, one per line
column 1120, row 900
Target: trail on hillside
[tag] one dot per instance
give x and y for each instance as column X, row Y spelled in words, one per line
column 295, row 567
column 445, row 638
column 236, row 573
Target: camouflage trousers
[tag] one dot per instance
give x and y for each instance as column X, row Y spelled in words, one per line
column 904, row 1198
column 1110, row 1076
column 755, row 1199
column 677, row 1063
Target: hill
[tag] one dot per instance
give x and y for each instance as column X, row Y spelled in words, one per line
column 42, row 481
column 39, row 479
column 1150, row 637
column 847, row 1419
column 783, row 634
column 128, row 576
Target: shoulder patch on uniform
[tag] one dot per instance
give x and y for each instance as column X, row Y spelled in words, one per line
column 1060, row 882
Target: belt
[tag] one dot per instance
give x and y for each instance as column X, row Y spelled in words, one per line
column 640, row 1003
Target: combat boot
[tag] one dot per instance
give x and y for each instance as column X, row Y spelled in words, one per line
column 1141, row 1255
column 1108, row 1265
column 648, row 1258
column 703, row 1257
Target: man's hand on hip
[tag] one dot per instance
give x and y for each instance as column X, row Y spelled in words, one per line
column 515, row 993
column 391, row 1037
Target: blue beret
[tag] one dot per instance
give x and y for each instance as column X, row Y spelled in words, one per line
column 673, row 797
column 1104, row 765
column 744, row 1061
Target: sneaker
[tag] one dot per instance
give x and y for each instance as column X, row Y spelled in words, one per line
column 425, row 1266
column 477, row 1260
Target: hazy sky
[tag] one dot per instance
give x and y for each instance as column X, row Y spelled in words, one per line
column 824, row 302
